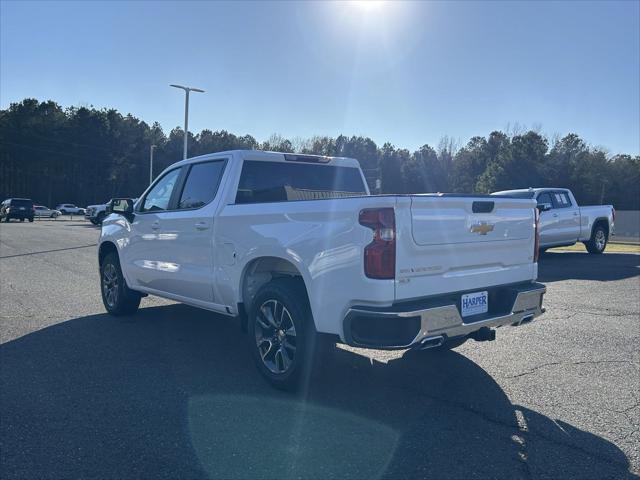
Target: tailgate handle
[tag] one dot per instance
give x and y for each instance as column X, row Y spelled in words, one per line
column 482, row 207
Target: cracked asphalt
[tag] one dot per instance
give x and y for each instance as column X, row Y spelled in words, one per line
column 172, row 392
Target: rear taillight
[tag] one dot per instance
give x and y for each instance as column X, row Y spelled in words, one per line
column 536, row 243
column 380, row 254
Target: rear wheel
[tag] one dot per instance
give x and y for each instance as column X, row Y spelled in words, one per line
column 30, row 219
column 118, row 299
column 282, row 335
column 598, row 241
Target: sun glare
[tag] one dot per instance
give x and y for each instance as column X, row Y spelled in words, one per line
column 368, row 5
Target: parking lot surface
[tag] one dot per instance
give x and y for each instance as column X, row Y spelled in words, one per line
column 171, row 392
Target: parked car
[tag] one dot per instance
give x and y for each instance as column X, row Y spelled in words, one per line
column 18, row 208
column 564, row 223
column 295, row 246
column 42, row 211
column 96, row 213
column 69, row 209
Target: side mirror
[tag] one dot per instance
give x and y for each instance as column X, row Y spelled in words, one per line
column 121, row 206
column 543, row 207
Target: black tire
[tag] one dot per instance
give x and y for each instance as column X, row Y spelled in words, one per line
column 117, row 298
column 30, row 219
column 599, row 239
column 284, row 356
column 63, row 212
column 93, row 221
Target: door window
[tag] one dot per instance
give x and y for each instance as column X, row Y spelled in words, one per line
column 561, row 200
column 544, row 198
column 159, row 196
column 201, row 184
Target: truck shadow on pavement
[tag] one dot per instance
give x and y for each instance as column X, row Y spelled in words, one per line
column 172, row 393
column 556, row 266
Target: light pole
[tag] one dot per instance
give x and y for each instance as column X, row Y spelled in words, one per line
column 151, row 149
column 186, row 113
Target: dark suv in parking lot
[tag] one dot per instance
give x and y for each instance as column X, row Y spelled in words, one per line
column 19, row 208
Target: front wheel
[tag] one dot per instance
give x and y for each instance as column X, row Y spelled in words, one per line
column 118, row 299
column 281, row 333
column 30, row 219
column 598, row 241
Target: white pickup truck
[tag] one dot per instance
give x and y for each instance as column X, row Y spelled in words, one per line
column 564, row 223
column 96, row 213
column 295, row 246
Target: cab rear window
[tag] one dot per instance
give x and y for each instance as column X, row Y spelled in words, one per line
column 262, row 182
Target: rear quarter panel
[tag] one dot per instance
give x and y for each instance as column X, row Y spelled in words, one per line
column 321, row 238
column 589, row 215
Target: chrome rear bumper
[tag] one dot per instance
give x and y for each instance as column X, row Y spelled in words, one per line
column 440, row 317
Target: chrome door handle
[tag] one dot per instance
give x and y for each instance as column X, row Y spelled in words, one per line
column 155, row 225
column 202, row 226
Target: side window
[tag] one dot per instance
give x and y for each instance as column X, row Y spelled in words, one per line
column 544, row 198
column 201, row 185
column 561, row 200
column 159, row 196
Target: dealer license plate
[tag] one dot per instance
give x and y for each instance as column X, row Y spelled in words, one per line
column 474, row 303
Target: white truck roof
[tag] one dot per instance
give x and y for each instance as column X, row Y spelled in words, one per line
column 266, row 156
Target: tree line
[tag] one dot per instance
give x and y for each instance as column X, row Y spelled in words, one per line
column 85, row 155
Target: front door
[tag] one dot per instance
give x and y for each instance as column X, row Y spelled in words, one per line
column 548, row 221
column 145, row 254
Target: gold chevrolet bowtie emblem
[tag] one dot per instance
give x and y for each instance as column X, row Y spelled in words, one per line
column 482, row 228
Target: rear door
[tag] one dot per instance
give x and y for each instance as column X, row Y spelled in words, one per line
column 460, row 243
column 568, row 217
column 187, row 232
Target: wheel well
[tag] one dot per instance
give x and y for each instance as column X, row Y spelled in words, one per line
column 105, row 249
column 261, row 271
column 601, row 221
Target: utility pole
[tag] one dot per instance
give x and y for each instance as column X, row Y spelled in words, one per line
column 186, row 113
column 151, row 149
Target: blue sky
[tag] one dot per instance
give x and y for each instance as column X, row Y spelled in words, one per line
column 407, row 73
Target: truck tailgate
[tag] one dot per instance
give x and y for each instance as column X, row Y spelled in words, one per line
column 460, row 243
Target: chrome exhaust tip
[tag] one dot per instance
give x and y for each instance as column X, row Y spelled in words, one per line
column 431, row 342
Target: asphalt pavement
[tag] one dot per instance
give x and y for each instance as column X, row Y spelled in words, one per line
column 171, row 392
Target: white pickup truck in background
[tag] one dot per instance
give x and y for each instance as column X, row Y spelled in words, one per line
column 96, row 213
column 564, row 223
column 295, row 246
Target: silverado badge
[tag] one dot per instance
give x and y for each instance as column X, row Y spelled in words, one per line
column 482, row 228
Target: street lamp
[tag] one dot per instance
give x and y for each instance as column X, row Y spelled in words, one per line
column 186, row 113
column 153, row 147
